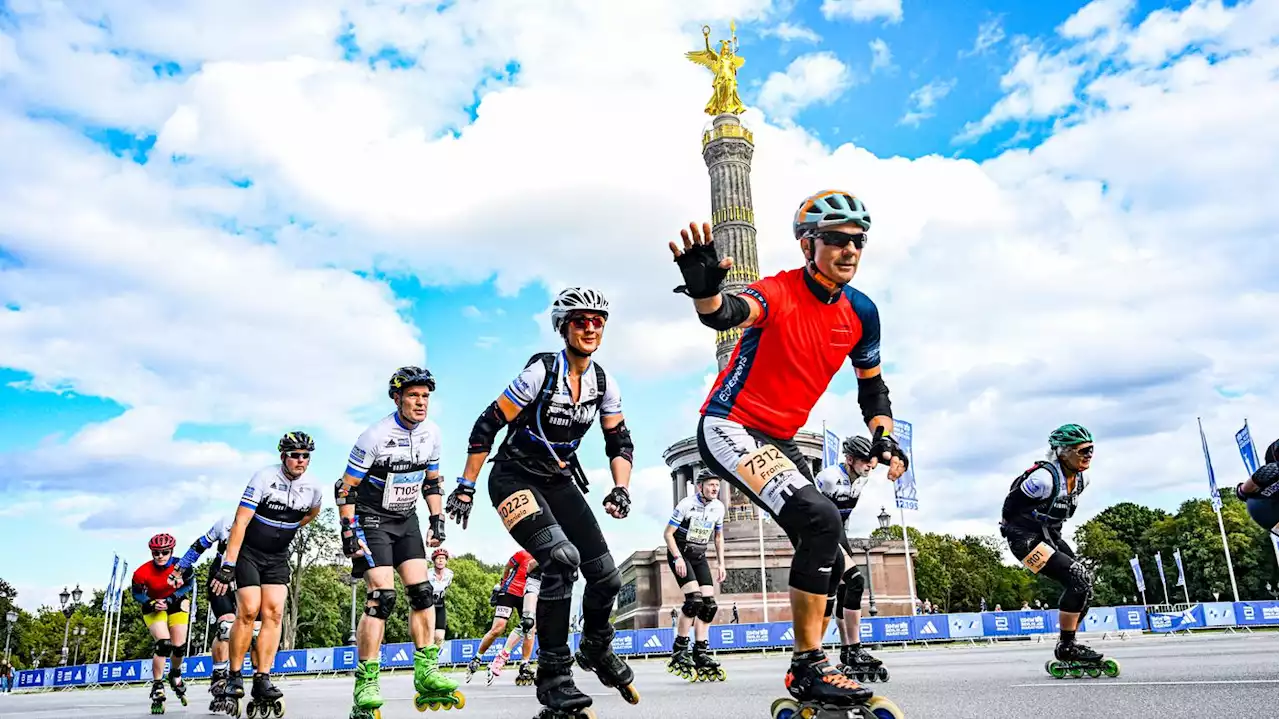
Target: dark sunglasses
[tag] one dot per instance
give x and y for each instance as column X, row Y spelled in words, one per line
column 1085, row 451
column 161, row 553
column 298, row 455
column 584, row 322
column 841, row 239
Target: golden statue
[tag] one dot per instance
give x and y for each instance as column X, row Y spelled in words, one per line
column 725, row 64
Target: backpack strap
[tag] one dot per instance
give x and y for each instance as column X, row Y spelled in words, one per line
column 601, row 384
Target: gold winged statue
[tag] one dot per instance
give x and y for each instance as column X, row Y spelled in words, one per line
column 725, row 64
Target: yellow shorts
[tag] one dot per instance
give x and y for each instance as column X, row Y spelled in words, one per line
column 171, row 618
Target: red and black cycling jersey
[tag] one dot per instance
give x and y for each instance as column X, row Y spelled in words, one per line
column 516, row 574
column 786, row 360
column 151, row 581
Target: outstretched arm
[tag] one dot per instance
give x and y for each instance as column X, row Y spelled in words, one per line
column 703, row 272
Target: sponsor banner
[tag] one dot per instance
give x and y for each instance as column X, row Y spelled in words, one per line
column 69, row 676
column 999, row 624
column 930, row 627
column 197, row 667
column 320, row 660
column 1252, row 614
column 654, row 641
column 292, row 661
column 1131, row 618
column 344, row 659
column 1191, row 618
column 1219, row 614
column 964, row 626
column 1102, row 619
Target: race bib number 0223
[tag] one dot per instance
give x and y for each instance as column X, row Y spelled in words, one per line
column 518, row 507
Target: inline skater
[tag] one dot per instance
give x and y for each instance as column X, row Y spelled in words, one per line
column 222, row 607
column 799, row 326
column 161, row 587
column 537, row 483
column 509, row 598
column 440, row 578
column 1261, row 493
column 278, row 501
column 391, row 464
column 842, row 483
column 696, row 520
column 522, row 633
column 1039, row 501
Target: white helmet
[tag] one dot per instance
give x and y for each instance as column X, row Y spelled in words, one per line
column 577, row 299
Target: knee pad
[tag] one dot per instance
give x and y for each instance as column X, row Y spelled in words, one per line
column 692, row 603
column 526, row 624
column 224, row 629
column 604, row 581
column 178, row 651
column 830, row 608
column 814, row 522
column 163, row 648
column 854, row 585
column 562, row 571
column 837, row 574
column 1079, row 589
column 421, row 596
column 381, row 603
column 707, row 611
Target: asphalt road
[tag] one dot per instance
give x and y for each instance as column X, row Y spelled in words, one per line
column 1161, row 676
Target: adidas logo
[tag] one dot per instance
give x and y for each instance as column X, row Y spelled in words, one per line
column 789, row 635
column 400, row 656
column 199, row 667
column 291, row 663
column 653, row 643
column 929, row 628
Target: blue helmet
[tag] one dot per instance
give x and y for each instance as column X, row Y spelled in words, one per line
column 829, row 208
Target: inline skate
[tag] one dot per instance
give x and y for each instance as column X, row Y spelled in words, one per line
column 859, row 665
column 681, row 663
column 1076, row 660
column 157, row 696
column 559, row 696
column 266, row 700
column 708, row 669
column 819, row 690
column 433, row 690
column 595, row 654
column 366, row 697
column 525, row 677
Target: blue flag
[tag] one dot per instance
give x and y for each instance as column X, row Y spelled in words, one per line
column 1247, row 451
column 830, row 447
column 106, row 596
column 1137, row 574
column 1208, row 465
column 1177, row 558
column 904, row 490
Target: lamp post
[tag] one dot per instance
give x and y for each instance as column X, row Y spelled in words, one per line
column 342, row 560
column 866, row 545
column 74, row 596
column 10, row 618
column 78, row 633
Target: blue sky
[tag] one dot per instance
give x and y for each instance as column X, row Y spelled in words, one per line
column 212, row 232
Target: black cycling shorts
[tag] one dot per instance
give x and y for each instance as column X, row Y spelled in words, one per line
column 442, row 619
column 255, row 568
column 508, row 605
column 222, row 605
column 696, row 568
column 392, row 542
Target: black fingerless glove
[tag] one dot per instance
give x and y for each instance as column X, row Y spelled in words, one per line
column 700, row 267
column 620, row 498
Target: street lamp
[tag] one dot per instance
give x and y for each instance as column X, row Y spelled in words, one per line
column 883, row 518
column 10, row 618
column 866, row 544
column 341, row 560
column 78, row 633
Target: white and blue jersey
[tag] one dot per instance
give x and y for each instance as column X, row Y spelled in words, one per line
column 696, row 521
column 842, row 489
column 279, row 504
column 393, row 461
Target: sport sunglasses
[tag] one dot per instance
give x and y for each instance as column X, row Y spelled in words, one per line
column 584, row 322
column 841, row 239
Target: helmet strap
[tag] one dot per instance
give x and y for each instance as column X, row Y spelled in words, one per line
column 568, row 346
column 811, row 264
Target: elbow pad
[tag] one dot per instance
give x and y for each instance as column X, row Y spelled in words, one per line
column 485, row 429
column 617, row 442
column 873, row 398
column 1265, row 476
column 432, row 486
column 732, row 312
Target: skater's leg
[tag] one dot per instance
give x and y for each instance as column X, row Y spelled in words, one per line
column 422, row 601
column 496, row 630
column 248, row 603
column 527, row 620
column 380, row 602
column 159, row 629
column 272, row 612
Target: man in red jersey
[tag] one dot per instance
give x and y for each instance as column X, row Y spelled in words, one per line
column 798, row 326
column 510, row 596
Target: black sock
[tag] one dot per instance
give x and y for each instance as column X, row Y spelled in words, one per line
column 1066, row 637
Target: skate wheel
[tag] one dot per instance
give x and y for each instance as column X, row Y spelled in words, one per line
column 587, row 713
column 1057, row 671
column 1093, row 672
column 1076, row 672
column 251, row 711
column 883, row 674
column 883, row 708
column 720, row 674
column 1111, row 668
column 1048, row 666
column 784, row 709
column 278, row 708
column 630, row 694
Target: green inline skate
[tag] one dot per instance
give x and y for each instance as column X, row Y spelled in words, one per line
column 434, row 689
column 366, row 697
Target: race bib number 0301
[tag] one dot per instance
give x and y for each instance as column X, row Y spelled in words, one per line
column 518, row 507
column 762, row 466
column 1039, row 557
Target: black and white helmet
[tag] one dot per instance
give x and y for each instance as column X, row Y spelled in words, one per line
column 857, row 447
column 577, row 299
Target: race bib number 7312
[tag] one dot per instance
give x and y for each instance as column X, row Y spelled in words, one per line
column 763, row 465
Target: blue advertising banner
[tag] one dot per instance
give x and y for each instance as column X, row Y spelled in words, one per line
column 292, row 661
column 624, row 642
column 1037, row 621
column 930, row 626
column 1132, row 618
column 112, row 672
column 1252, row 614
column 30, row 678
column 999, row 624
column 344, row 659
column 655, row 641
column 197, row 667
column 904, row 490
column 398, row 655
column 892, row 629
column 69, row 676
column 1102, row 619
column 1192, row 618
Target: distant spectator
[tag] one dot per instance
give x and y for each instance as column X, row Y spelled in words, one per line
column 6, row 677
column 982, row 604
column 735, row 613
column 998, row 609
column 928, row 607
column 1025, row 607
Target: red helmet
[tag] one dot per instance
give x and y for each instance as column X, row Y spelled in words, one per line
column 162, row 541
column 438, row 552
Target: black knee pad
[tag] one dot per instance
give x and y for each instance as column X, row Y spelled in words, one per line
column 692, row 603
column 814, row 522
column 1079, row 589
column 837, row 574
column 163, row 648
column 383, row 603
column 178, row 651
column 604, row 581
column 854, row 585
column 560, row 572
column 707, row 611
column 830, row 608
column 421, row 596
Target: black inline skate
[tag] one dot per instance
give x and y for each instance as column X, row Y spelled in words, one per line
column 157, row 696
column 1075, row 660
column 473, row 666
column 708, row 669
column 232, row 693
column 559, row 696
column 820, row 690
column 681, row 663
column 218, row 704
column 858, row 664
column 595, row 654
column 179, row 688
column 525, row 677
column 266, row 700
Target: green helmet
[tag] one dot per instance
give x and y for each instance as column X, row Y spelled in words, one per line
column 1069, row 435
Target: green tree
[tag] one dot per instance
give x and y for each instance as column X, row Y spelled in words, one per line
column 315, row 544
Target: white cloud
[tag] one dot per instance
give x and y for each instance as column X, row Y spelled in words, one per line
column 1098, row 16
column 1070, row 281
column 1039, row 85
column 1165, row 32
column 788, row 32
column 990, row 33
column 881, row 57
column 862, row 10
column 472, row 312
column 923, row 99
column 815, row 78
